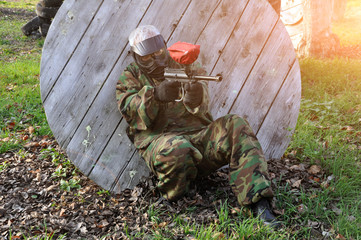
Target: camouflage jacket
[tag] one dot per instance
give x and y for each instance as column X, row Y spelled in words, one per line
column 149, row 118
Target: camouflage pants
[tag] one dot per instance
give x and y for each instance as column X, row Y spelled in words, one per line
column 176, row 160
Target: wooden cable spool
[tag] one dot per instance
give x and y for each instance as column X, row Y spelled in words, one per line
column 87, row 49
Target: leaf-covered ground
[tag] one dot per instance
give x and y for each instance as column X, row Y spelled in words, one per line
column 34, row 201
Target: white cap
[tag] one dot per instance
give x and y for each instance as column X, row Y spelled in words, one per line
column 146, row 40
column 142, row 33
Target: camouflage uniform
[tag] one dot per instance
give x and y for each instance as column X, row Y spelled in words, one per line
column 179, row 143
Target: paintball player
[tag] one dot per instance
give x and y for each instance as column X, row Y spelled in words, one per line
column 179, row 139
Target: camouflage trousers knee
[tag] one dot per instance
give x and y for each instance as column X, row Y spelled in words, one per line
column 177, row 159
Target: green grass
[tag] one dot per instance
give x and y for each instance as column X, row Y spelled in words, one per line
column 20, row 4
column 20, row 102
column 13, row 44
column 237, row 225
column 328, row 131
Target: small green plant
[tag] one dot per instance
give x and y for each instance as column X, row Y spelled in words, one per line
column 69, row 185
column 103, row 192
column 22, row 154
column 3, row 166
column 57, row 157
column 44, row 236
column 59, row 172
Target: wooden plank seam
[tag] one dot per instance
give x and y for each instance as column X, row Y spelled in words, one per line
column 254, row 64
column 275, row 97
column 180, row 19
column 122, row 171
column 102, row 151
column 76, row 47
column 111, row 135
column 209, row 19
column 230, row 36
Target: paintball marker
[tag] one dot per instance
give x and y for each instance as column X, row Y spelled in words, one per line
column 181, row 76
column 186, row 53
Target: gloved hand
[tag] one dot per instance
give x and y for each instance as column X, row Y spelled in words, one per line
column 190, row 72
column 194, row 94
column 167, row 91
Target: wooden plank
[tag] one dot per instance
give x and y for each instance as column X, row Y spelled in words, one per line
column 71, row 22
column 158, row 15
column 282, row 117
column 266, row 78
column 113, row 160
column 186, row 30
column 97, row 127
column 240, row 54
column 135, row 171
column 78, row 85
column 148, row 18
column 221, row 25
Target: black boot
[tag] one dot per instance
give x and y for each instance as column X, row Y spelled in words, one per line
column 262, row 209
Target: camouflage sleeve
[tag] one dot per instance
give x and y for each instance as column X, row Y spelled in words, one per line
column 135, row 101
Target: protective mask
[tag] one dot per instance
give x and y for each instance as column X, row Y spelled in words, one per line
column 153, row 64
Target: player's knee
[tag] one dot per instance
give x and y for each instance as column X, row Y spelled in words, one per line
column 177, row 157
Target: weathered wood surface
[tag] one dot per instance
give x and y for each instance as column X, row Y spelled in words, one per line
column 87, row 49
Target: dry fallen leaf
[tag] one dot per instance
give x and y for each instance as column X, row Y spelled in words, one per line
column 347, row 128
column 235, row 210
column 218, row 235
column 31, row 144
column 297, row 184
column 339, row 236
column 31, row 130
column 162, row 224
column 48, row 189
column 279, row 212
column 295, row 167
column 325, row 184
column 5, row 139
column 314, row 169
column 38, row 177
column 62, row 212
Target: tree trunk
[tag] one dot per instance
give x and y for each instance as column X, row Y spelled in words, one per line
column 318, row 40
column 339, row 9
